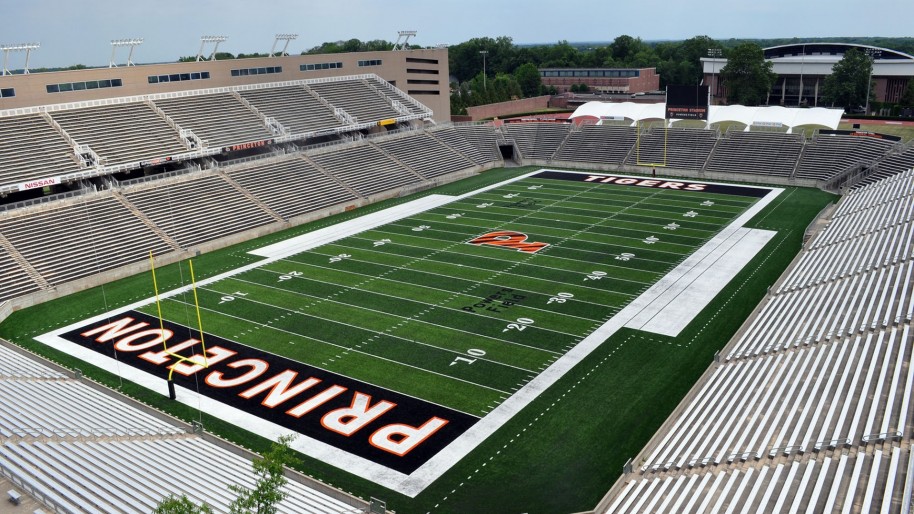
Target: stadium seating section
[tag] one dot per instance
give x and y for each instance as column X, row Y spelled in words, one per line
column 809, row 406
column 81, row 450
column 30, row 149
column 219, row 119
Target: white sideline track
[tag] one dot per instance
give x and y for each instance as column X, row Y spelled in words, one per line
column 690, row 280
column 676, row 299
column 305, row 242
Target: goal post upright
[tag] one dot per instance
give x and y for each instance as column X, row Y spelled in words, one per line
column 180, row 358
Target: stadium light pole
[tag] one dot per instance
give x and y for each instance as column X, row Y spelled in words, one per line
column 210, row 39
column 873, row 53
column 713, row 53
column 23, row 47
column 282, row 37
column 484, row 54
column 117, row 43
column 403, row 39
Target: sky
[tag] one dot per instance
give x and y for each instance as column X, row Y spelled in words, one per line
column 79, row 31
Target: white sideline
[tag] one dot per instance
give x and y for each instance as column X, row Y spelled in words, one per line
column 310, row 240
column 409, row 485
column 676, row 299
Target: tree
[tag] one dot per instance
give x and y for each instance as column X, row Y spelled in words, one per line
column 528, row 78
column 268, row 489
column 267, row 492
column 846, row 86
column 624, row 48
column 181, row 505
column 747, row 76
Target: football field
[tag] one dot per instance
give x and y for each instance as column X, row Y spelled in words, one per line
column 413, row 306
column 388, row 344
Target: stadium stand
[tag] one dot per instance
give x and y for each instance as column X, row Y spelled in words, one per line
column 122, row 133
column 69, row 408
column 197, row 210
column 685, row 149
column 796, row 402
column 483, row 138
column 760, row 153
column 77, row 449
column 30, row 148
column 811, row 408
column 218, row 119
column 357, row 98
column 825, row 156
column 393, row 97
column 290, row 186
column 14, row 280
column 451, row 137
column 890, row 165
column 365, row 169
column 294, row 107
column 109, row 236
column 598, row 144
column 425, row 152
column 537, row 140
column 844, row 481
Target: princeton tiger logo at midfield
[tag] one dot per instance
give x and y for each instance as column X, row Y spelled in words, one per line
column 508, row 239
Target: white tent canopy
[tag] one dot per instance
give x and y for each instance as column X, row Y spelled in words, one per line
column 771, row 116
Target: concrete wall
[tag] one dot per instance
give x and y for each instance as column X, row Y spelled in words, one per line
column 423, row 74
column 502, row 109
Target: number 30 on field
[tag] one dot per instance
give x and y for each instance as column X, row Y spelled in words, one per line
column 472, row 352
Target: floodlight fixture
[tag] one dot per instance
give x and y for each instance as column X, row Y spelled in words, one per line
column 403, row 35
column 282, row 37
column 19, row 47
column 117, row 43
column 210, row 39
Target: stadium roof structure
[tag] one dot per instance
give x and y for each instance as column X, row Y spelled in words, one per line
column 772, row 115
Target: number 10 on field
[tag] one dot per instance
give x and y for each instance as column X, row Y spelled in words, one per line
column 472, row 352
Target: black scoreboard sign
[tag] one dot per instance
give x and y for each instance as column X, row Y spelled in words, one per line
column 687, row 102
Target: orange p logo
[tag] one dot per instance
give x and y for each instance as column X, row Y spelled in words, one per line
column 508, row 239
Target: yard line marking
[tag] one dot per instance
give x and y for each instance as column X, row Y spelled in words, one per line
column 491, row 258
column 486, row 222
column 640, row 249
column 430, row 306
column 402, row 317
column 654, row 232
column 358, row 288
column 173, row 299
column 469, row 280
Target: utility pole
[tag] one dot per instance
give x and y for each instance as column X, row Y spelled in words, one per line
column 484, row 54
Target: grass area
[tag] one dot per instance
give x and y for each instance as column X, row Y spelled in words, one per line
column 568, row 448
column 905, row 132
column 394, row 306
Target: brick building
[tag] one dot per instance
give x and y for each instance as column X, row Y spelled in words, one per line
column 605, row 80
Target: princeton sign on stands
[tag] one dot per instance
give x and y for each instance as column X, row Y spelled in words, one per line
column 35, row 184
column 859, row 133
column 247, row 146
